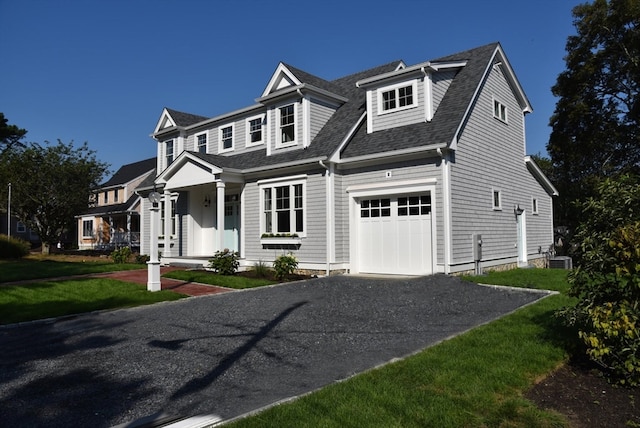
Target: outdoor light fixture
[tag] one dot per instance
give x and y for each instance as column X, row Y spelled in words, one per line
column 517, row 210
column 206, row 201
column 154, row 198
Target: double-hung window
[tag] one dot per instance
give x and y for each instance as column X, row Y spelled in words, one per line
column 397, row 97
column 87, row 228
column 499, row 111
column 173, row 225
column 226, row 138
column 283, row 208
column 254, row 131
column 287, row 124
column 168, row 151
column 201, row 142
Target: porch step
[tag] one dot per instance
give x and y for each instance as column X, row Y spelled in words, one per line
column 186, row 265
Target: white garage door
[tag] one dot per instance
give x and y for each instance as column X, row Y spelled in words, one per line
column 394, row 234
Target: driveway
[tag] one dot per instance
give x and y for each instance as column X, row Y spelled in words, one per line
column 230, row 353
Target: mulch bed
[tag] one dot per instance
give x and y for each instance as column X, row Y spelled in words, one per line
column 581, row 393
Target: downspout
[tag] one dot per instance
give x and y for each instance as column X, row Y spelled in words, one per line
column 329, row 213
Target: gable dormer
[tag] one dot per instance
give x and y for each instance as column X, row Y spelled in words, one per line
column 298, row 106
column 407, row 95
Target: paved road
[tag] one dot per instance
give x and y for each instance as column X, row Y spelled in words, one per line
column 231, row 353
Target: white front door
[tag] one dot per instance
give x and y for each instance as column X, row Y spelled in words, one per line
column 394, row 234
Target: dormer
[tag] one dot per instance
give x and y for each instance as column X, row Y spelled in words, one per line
column 298, row 105
column 407, row 95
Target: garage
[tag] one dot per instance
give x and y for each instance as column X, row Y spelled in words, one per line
column 394, row 234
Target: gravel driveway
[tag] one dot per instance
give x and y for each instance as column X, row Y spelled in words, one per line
column 231, row 353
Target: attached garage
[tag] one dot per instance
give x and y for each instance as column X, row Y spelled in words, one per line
column 394, row 234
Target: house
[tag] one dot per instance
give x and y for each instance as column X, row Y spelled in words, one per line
column 113, row 219
column 393, row 170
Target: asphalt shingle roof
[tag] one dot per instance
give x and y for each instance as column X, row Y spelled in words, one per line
column 185, row 119
column 128, row 172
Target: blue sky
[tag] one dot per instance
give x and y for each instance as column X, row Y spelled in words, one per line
column 102, row 71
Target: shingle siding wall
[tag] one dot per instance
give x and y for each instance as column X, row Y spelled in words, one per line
column 401, row 117
column 320, row 113
column 440, row 84
column 490, row 155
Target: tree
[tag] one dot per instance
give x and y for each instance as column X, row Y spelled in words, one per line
column 10, row 135
column 596, row 123
column 50, row 185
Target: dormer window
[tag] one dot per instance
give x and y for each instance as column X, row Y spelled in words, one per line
column 287, row 124
column 168, row 153
column 397, row 97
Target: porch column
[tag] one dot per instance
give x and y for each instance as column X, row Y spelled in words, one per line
column 166, row 251
column 129, row 229
column 220, row 213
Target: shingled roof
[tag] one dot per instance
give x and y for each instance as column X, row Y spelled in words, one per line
column 185, row 119
column 128, row 172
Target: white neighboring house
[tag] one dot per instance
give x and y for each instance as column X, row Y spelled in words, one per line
column 394, row 170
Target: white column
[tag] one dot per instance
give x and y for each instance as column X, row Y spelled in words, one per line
column 220, row 213
column 166, row 252
column 153, row 265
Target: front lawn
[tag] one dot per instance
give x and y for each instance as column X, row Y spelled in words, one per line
column 58, row 298
column 474, row 380
column 237, row 281
column 55, row 267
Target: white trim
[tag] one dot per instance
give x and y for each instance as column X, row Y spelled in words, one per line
column 446, row 213
column 306, row 123
column 414, row 96
column 276, row 79
column 248, row 142
column 281, row 182
column 495, row 207
column 268, row 129
column 221, row 148
column 282, row 179
column 369, row 112
column 335, row 156
column 502, row 110
column 428, row 97
column 383, row 188
column 537, row 172
column 535, row 208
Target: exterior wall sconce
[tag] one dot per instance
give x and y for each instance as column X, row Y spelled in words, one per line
column 207, row 201
column 517, row 210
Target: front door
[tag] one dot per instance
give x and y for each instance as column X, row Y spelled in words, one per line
column 232, row 222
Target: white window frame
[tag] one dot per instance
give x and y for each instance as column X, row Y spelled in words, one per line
column 250, row 143
column 534, row 206
column 84, row 229
column 279, row 142
column 174, row 217
column 494, row 191
column 272, row 184
column 169, row 143
column 221, row 148
column 500, row 110
column 20, row 227
column 196, row 142
column 396, row 89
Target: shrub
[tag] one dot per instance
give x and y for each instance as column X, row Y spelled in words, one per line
column 121, row 255
column 142, row 259
column 261, row 269
column 13, row 248
column 285, row 265
column 225, row 262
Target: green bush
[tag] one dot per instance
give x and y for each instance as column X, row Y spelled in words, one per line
column 285, row 265
column 225, row 262
column 13, row 248
column 142, row 259
column 261, row 269
column 121, row 255
column 607, row 279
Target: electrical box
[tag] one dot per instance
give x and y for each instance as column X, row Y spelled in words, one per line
column 477, row 247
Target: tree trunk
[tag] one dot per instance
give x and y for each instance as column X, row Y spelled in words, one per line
column 45, row 249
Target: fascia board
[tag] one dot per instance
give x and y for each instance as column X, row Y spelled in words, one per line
column 542, row 178
column 284, row 165
column 281, row 69
column 335, row 156
column 432, row 148
column 414, row 69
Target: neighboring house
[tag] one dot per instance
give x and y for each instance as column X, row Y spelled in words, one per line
column 18, row 230
column 395, row 170
column 113, row 219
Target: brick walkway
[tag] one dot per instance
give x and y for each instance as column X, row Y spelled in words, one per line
column 179, row 286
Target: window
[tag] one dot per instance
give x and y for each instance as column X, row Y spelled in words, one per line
column 414, row 205
column 283, row 208
column 173, row 226
column 201, row 142
column 287, row 124
column 20, row 227
column 534, row 206
column 397, row 97
column 497, row 199
column 106, row 197
column 87, row 228
column 254, row 131
column 168, row 152
column 226, row 138
column 499, row 111
column 375, row 208
column 115, row 195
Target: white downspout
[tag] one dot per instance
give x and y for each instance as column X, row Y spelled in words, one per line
column 329, row 204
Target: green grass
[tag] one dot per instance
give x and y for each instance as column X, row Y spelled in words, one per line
column 229, row 281
column 28, row 269
column 58, row 298
column 473, row 380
